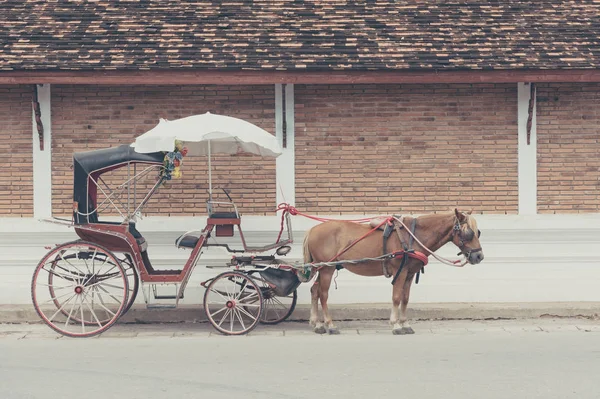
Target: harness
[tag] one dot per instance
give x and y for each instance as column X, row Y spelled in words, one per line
column 464, row 236
column 407, row 252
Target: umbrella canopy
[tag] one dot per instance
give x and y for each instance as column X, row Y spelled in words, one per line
column 208, row 134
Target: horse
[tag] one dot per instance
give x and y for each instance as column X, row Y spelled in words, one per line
column 340, row 241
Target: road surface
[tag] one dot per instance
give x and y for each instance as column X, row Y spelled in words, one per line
column 541, row 358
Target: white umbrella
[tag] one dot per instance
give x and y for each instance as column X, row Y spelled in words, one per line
column 208, row 134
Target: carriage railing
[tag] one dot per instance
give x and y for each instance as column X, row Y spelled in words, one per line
column 114, row 196
column 279, row 242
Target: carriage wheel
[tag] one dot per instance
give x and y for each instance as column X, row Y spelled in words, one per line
column 79, row 289
column 275, row 308
column 133, row 281
column 233, row 303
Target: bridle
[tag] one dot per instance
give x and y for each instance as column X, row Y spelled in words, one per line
column 463, row 237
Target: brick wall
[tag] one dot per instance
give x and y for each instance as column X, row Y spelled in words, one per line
column 93, row 117
column 406, row 148
column 16, row 174
column 568, row 128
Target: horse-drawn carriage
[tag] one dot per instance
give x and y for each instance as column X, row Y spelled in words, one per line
column 81, row 288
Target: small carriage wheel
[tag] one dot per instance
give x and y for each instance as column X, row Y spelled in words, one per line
column 275, row 308
column 87, row 286
column 233, row 303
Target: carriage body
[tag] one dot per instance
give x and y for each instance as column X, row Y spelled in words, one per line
column 82, row 288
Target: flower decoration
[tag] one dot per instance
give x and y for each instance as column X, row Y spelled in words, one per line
column 173, row 161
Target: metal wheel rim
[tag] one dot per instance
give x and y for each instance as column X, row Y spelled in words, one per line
column 89, row 291
column 233, row 303
column 133, row 281
column 275, row 308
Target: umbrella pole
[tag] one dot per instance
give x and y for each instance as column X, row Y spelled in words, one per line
column 209, row 174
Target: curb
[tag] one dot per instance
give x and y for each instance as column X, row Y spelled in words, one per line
column 435, row 311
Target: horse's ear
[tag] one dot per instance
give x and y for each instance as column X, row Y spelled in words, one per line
column 470, row 212
column 460, row 216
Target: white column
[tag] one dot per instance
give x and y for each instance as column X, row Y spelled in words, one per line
column 527, row 157
column 285, row 164
column 42, row 160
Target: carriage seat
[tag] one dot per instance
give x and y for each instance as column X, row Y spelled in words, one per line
column 141, row 241
column 187, row 241
column 223, row 215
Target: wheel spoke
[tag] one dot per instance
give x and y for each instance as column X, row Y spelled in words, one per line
column 55, row 288
column 61, row 308
column 81, row 311
column 93, row 314
column 70, row 314
column 246, row 313
column 108, row 293
column 103, row 284
column 101, row 304
column 225, row 316
column 58, row 297
column 69, row 263
column 251, row 305
column 277, row 301
column 219, row 311
column 239, row 316
column 218, row 293
column 252, row 295
column 71, row 278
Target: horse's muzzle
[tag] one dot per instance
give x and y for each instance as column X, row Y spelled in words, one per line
column 475, row 257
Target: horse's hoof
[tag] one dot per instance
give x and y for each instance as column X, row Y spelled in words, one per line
column 408, row 330
column 333, row 331
column 399, row 331
column 320, row 330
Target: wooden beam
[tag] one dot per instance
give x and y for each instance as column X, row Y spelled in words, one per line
column 185, row 77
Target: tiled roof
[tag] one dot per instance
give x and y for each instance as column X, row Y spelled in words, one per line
column 299, row 35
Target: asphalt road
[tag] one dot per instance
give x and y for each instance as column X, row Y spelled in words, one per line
column 454, row 359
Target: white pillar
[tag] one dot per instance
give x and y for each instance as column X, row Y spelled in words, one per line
column 527, row 153
column 285, row 164
column 42, row 160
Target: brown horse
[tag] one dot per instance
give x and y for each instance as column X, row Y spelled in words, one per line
column 326, row 240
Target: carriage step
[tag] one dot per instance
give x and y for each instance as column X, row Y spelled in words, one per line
column 164, row 272
column 160, row 306
column 167, row 296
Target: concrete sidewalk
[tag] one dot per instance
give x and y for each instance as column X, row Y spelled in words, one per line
column 291, row 328
column 435, row 311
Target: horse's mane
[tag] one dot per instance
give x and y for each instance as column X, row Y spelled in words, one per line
column 471, row 222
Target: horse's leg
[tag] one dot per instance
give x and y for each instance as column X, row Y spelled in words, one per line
column 326, row 274
column 406, row 328
column 314, row 301
column 398, row 297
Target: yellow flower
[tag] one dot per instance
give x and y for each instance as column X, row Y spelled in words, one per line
column 178, row 145
column 176, row 173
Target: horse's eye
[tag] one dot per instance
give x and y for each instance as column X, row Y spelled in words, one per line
column 478, row 233
column 468, row 235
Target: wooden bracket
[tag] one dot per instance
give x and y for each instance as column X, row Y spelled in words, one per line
column 38, row 116
column 532, row 96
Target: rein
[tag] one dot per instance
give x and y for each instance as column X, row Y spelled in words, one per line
column 443, row 260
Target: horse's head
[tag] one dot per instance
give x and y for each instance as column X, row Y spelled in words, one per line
column 465, row 235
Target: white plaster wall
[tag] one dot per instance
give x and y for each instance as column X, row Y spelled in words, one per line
column 538, row 258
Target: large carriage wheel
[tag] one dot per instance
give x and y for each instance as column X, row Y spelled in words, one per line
column 275, row 308
column 233, row 303
column 79, row 289
column 133, row 281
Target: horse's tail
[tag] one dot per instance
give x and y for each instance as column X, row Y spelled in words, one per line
column 307, row 273
column 305, row 250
